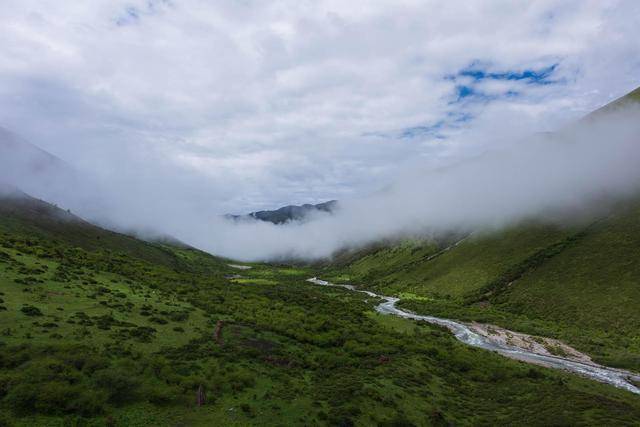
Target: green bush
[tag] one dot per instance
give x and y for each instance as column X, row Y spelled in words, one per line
column 51, row 390
column 161, row 394
column 120, row 384
column 30, row 310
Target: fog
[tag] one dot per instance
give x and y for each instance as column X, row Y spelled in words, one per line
column 501, row 178
column 161, row 117
column 554, row 177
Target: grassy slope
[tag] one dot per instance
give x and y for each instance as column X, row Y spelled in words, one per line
column 594, row 285
column 584, row 292
column 474, row 262
column 37, row 218
column 114, row 339
column 580, row 284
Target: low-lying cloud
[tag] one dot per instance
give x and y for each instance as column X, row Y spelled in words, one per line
column 508, row 179
column 175, row 113
column 562, row 172
column 248, row 105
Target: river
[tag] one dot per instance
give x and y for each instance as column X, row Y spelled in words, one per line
column 616, row 377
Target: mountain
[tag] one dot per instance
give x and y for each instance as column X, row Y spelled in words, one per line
column 26, row 167
column 32, row 169
column 289, row 213
column 100, row 328
column 37, row 218
column 18, row 154
column 577, row 281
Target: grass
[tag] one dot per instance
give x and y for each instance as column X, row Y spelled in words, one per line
column 288, row 352
column 69, row 306
column 593, row 286
column 33, row 217
column 474, row 262
column 411, row 296
column 578, row 283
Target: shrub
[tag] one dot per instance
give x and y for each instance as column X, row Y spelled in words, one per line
column 50, row 387
column 178, row 316
column 161, row 395
column 30, row 310
column 120, row 384
column 247, row 409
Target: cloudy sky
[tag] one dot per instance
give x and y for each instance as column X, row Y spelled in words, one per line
column 232, row 106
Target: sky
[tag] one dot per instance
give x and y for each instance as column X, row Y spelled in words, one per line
column 234, row 106
column 271, row 103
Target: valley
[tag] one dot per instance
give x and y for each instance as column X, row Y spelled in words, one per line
column 536, row 350
column 319, row 213
column 548, row 280
column 127, row 332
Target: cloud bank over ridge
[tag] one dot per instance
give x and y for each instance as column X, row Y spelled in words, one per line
column 548, row 177
column 263, row 104
column 178, row 112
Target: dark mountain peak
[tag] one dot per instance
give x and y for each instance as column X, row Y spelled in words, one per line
column 289, row 213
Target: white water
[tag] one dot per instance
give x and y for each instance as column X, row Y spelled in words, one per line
column 616, row 377
column 240, row 267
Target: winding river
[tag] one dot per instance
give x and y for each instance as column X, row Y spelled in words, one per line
column 616, row 377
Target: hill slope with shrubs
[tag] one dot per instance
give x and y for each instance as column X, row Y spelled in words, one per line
column 121, row 335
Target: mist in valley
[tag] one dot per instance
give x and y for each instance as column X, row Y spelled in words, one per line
column 158, row 118
column 558, row 178
column 507, row 178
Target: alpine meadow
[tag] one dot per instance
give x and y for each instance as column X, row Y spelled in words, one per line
column 414, row 213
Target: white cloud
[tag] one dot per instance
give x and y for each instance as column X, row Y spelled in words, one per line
column 253, row 104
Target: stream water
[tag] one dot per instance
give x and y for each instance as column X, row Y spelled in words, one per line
column 616, row 377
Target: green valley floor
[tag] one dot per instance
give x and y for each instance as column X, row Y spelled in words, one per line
column 126, row 332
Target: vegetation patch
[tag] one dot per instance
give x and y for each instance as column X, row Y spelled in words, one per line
column 136, row 334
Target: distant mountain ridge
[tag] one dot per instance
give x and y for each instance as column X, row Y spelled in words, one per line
column 36, row 172
column 30, row 175
column 19, row 158
column 289, row 213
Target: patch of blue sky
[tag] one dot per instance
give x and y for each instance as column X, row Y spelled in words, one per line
column 537, row 76
column 470, row 92
column 437, row 130
column 433, row 130
column 132, row 14
column 459, row 116
column 464, row 91
column 468, row 80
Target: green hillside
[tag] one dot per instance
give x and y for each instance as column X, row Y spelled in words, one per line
column 99, row 336
column 20, row 212
column 593, row 285
column 580, row 283
column 421, row 267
